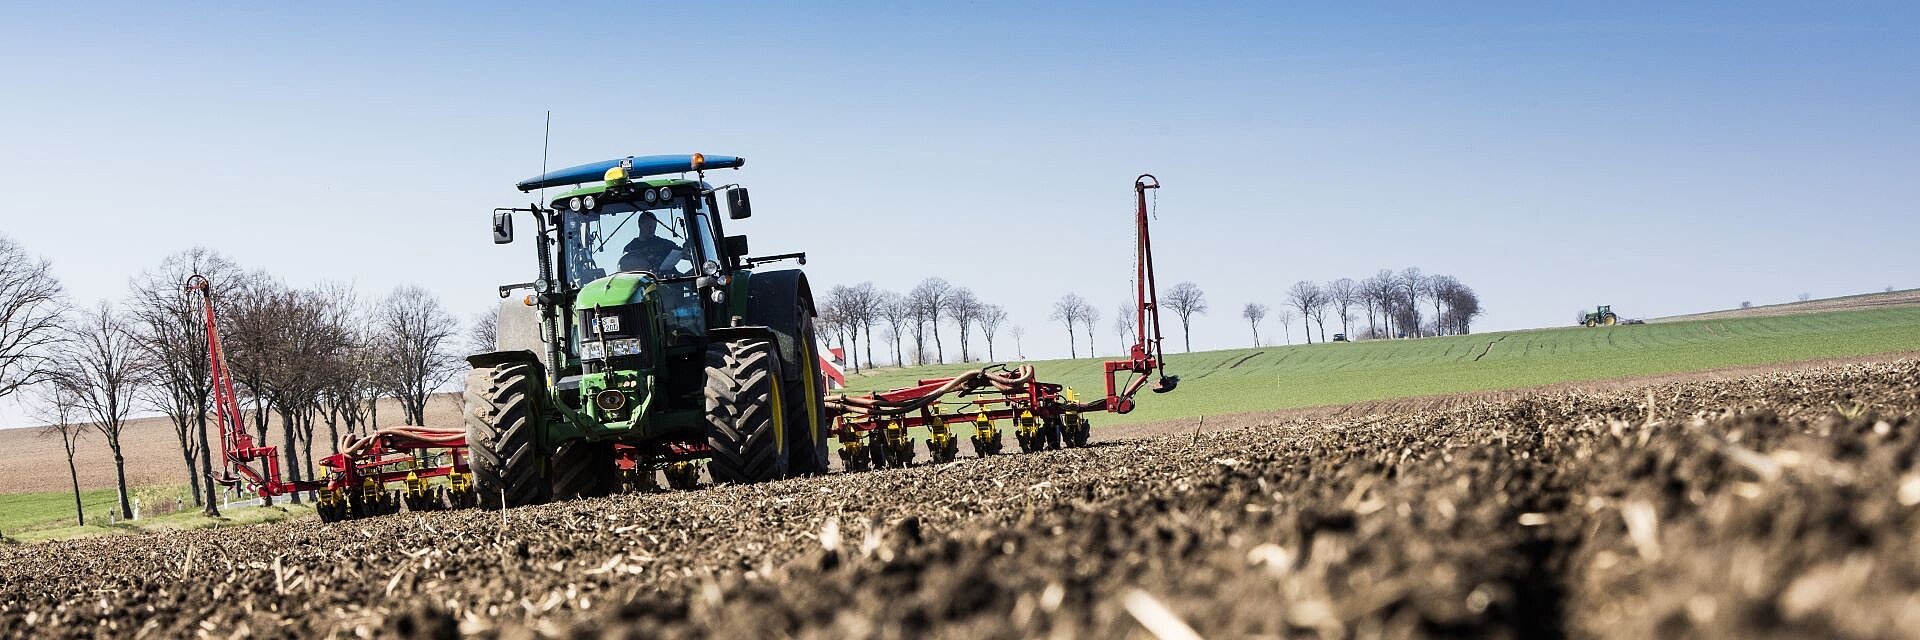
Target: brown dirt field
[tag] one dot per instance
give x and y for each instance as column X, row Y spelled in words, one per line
column 1905, row 298
column 32, row 463
column 1780, row 504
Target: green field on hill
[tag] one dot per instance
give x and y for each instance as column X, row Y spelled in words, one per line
column 1268, row 378
column 29, row 517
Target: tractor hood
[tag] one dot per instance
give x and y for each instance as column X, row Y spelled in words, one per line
column 615, row 290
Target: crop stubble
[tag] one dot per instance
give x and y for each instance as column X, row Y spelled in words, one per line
column 1780, row 504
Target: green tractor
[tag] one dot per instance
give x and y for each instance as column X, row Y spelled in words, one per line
column 1599, row 317
column 650, row 343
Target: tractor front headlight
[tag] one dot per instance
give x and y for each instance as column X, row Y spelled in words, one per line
column 592, row 349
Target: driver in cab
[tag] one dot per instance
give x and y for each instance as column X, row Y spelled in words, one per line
column 650, row 252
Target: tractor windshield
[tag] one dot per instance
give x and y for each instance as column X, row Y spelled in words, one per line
column 625, row 236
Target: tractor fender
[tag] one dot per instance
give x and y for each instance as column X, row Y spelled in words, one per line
column 772, row 297
column 497, row 358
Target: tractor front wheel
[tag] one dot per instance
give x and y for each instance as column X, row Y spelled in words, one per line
column 746, row 421
column 501, row 421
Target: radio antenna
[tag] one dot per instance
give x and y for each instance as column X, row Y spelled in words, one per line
column 546, row 142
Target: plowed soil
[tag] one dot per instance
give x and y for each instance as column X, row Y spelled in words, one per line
column 1772, row 505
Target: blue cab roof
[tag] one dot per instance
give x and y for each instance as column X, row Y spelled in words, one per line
column 642, row 166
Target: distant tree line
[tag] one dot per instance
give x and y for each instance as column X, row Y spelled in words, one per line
column 323, row 355
column 1393, row 305
column 1407, row 304
column 909, row 322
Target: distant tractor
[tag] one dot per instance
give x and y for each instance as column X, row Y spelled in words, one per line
column 1600, row 317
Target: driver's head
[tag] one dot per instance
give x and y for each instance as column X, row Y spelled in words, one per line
column 648, row 224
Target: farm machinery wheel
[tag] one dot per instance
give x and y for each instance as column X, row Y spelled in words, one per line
column 501, row 423
column 1075, row 430
column 584, row 469
column 682, row 476
column 877, row 448
column 807, row 427
column 746, row 421
column 854, row 455
column 1050, row 431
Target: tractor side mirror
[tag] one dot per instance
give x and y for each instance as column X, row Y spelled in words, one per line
column 502, row 226
column 736, row 246
column 738, row 206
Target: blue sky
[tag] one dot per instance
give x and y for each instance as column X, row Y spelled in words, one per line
column 1659, row 158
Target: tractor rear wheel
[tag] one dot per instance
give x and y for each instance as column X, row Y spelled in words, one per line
column 584, row 469
column 746, row 421
column 805, row 400
column 503, row 451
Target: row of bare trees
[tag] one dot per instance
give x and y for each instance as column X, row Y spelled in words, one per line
column 1392, row 305
column 1184, row 299
column 323, row 355
column 848, row 315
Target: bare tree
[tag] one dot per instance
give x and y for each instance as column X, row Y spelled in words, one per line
column 1254, row 312
column 31, row 305
column 1092, row 318
column 1123, row 324
column 1342, row 294
column 930, row 299
column 414, row 334
column 1307, row 298
column 964, row 308
column 990, row 320
column 1186, row 299
column 60, row 410
column 1411, row 284
column 836, row 319
column 1018, row 332
column 868, row 305
column 483, row 332
column 1381, row 297
column 100, row 367
column 897, row 312
column 169, row 324
column 1285, row 318
column 1070, row 309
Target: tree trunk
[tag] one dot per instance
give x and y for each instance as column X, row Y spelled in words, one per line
column 79, row 511
column 1073, row 343
column 1256, row 335
column 212, row 506
column 939, row 350
column 186, row 453
column 1186, row 334
column 120, row 479
column 1304, row 324
column 1090, row 349
column 292, row 470
column 867, row 329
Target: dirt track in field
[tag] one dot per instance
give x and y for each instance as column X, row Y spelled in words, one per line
column 1773, row 505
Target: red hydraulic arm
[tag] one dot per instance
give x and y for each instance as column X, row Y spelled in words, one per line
column 1145, row 357
column 237, row 447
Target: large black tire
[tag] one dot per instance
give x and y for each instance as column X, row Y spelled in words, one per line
column 502, row 443
column 584, row 469
column 807, row 424
column 745, row 419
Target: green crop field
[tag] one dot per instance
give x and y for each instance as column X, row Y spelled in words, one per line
column 1268, row 378
column 30, row 517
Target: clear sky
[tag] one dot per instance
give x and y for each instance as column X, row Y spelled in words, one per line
column 1656, row 157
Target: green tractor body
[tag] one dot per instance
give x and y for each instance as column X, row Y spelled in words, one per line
column 1600, row 317
column 650, row 343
